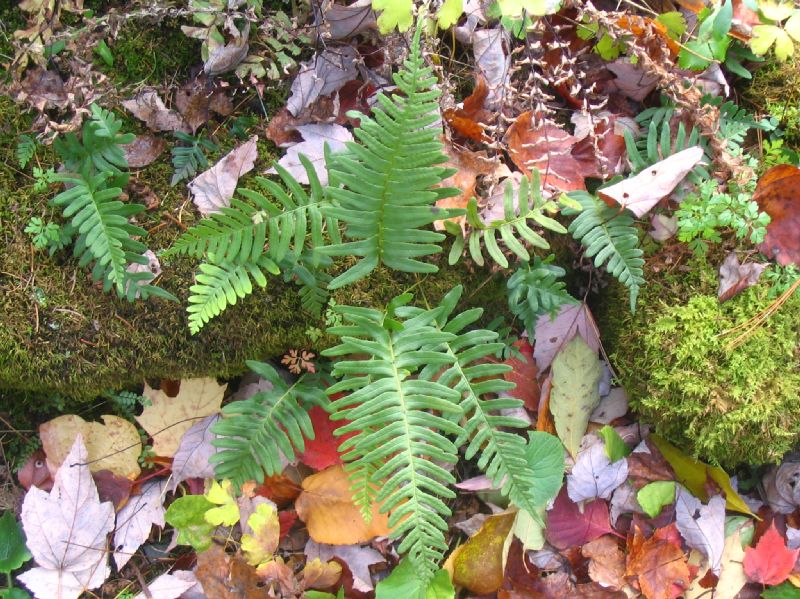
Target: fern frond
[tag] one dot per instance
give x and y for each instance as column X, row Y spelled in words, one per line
column 608, row 236
column 105, row 236
column 254, row 432
column 513, row 229
column 313, row 283
column 101, row 144
column 534, row 289
column 188, row 159
column 218, row 286
column 239, row 233
column 388, row 180
column 397, row 421
column 660, row 143
column 502, row 453
column 26, row 148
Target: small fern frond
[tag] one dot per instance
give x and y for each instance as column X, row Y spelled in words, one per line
column 389, row 179
column 101, row 144
column 534, row 290
column 502, row 453
column 513, row 229
column 397, row 421
column 313, row 283
column 254, row 432
column 105, row 236
column 218, row 286
column 188, row 159
column 26, row 148
column 608, row 236
column 660, row 144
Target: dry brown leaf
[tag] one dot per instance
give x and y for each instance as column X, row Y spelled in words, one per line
column 143, row 150
column 478, row 563
column 606, row 562
column 326, row 506
column 735, row 277
column 777, row 194
column 167, row 419
column 43, row 89
column 469, row 165
column 147, row 106
column 226, row 576
column 470, row 120
column 197, row 99
column 214, row 188
column 113, row 446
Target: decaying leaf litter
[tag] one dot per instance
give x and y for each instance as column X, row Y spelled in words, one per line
column 621, row 118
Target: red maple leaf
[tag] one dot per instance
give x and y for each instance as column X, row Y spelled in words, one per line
column 568, row 527
column 322, row 452
column 524, row 376
column 770, row 561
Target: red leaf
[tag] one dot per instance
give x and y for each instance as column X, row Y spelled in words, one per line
column 659, row 563
column 568, row 527
column 322, row 451
column 286, row 519
column 524, row 376
column 770, row 561
column 776, row 194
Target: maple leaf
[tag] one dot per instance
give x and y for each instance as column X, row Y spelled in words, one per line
column 702, row 526
column 568, row 526
column 167, row 419
column 191, row 460
column 322, row 450
column 227, row 514
column 594, row 475
column 606, row 562
column 260, row 546
column 659, row 563
column 66, row 531
column 135, row 520
column 314, row 136
column 214, row 188
column 770, row 561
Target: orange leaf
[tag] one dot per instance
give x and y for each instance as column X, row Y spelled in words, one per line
column 659, row 563
column 469, row 120
column 326, row 506
column 469, row 165
column 770, row 561
column 777, row 194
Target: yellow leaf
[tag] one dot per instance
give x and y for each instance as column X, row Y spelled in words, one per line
column 321, row 575
column 784, row 46
column 113, row 446
column 762, row 39
column 166, row 419
column 792, row 26
column 227, row 514
column 394, row 13
column 692, row 474
column 774, row 10
column 450, row 12
column 262, row 544
column 478, row 563
column 326, row 506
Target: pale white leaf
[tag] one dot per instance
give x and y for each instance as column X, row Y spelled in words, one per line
column 594, row 475
column 324, row 74
column 136, row 518
column 612, row 406
column 315, row 136
column 191, row 460
column 214, row 188
column 643, row 191
column 552, row 334
column 490, row 48
column 227, row 57
column 702, row 526
column 664, row 227
column 66, row 531
column 170, row 586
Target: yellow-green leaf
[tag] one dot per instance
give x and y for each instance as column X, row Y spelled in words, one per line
column 784, row 46
column 693, row 474
column 260, row 546
column 775, row 10
column 450, row 12
column 792, row 26
column 227, row 514
column 394, row 14
column 763, row 38
column 537, row 8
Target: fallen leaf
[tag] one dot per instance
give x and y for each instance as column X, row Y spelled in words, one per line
column 227, row 512
column 702, row 526
column 478, row 563
column 147, row 106
column 693, row 474
column 781, row 488
column 226, row 576
column 490, row 49
column 313, row 147
column 187, row 515
column 594, row 475
column 612, row 406
column 576, row 378
column 169, row 586
column 324, row 74
column 659, row 563
column 735, row 277
column 143, row 150
column 35, row 472
column 260, row 546
column 113, row 488
column 114, row 445
column 198, row 98
column 469, row 121
column 322, row 451
column 214, row 188
column 664, row 227
column 732, row 577
column 226, row 57
column 167, row 419
column 469, row 166
column 357, row 558
column 191, row 459
column 606, row 562
column 552, row 334
column 524, row 375
column 43, row 89
column 320, row 575
column 66, row 531
column 643, row 191
column 326, row 506
column 276, row 572
column 340, row 22
column 770, row 562
column 136, row 518
column 655, row 495
column 631, row 80
column 777, row 195
column 569, row 526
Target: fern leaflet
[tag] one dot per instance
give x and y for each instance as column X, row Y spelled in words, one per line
column 188, row 159
column 101, row 144
column 388, row 180
column 26, row 148
column 608, row 236
column 534, row 289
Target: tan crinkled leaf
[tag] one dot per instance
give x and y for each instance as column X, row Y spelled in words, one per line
column 214, row 188
column 167, row 419
column 113, row 446
column 66, row 532
column 320, row 575
column 147, row 106
column 606, row 562
column 169, row 586
column 326, row 506
column 575, row 393
column 136, row 518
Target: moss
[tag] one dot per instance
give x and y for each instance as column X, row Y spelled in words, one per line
column 775, row 90
column 729, row 406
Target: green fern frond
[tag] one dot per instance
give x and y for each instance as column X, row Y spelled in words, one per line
column 254, row 432
column 188, row 159
column 660, row 143
column 534, row 289
column 388, row 191
column 313, row 282
column 502, row 453
column 218, row 286
column 608, row 236
column 105, row 237
column 26, row 148
column 101, row 144
column 513, row 229
column 397, row 421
